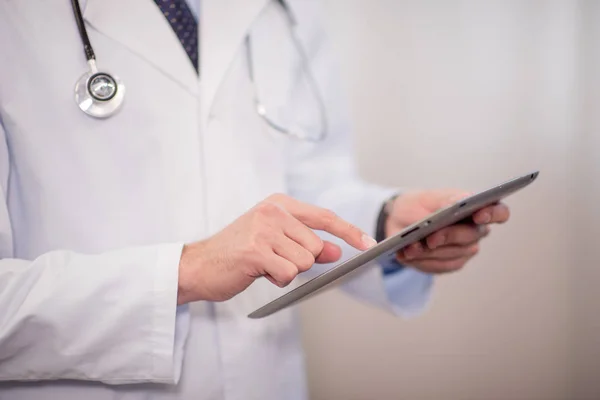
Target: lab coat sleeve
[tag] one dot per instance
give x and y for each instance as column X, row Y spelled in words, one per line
column 109, row 317
column 325, row 174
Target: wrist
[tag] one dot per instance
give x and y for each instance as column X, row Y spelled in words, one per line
column 185, row 280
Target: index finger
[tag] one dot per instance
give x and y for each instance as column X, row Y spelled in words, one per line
column 326, row 220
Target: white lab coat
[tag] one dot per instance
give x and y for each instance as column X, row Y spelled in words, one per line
column 94, row 213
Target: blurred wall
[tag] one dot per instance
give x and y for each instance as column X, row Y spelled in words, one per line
column 464, row 94
column 586, row 275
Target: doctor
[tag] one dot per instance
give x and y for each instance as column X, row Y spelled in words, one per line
column 131, row 246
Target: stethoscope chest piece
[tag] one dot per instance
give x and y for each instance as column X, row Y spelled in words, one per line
column 99, row 94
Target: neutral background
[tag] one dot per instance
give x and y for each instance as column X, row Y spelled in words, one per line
column 464, row 94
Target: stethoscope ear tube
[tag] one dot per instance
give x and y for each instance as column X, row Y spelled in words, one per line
column 261, row 108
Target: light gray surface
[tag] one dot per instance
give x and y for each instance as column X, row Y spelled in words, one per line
column 473, row 92
column 387, row 248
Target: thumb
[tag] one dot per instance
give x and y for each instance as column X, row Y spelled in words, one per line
column 433, row 200
column 453, row 198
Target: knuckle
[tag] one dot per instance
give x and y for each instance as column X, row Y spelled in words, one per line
column 262, row 238
column 462, row 235
column 328, row 218
column 276, row 197
column 267, row 209
column 474, row 250
column 286, row 276
column 354, row 230
column 441, row 237
column 258, row 240
column 315, row 247
column 306, row 261
column 431, row 239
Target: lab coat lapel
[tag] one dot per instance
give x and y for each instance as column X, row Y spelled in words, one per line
column 224, row 26
column 140, row 26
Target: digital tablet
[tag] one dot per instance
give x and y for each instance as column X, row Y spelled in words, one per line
column 442, row 218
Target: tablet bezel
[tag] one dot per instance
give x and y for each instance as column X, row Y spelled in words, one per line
column 442, row 218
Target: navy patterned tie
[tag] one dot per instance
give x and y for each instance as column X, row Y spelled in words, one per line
column 184, row 25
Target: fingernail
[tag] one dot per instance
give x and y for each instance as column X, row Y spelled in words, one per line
column 486, row 218
column 368, row 241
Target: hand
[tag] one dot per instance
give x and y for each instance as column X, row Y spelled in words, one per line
column 448, row 249
column 274, row 239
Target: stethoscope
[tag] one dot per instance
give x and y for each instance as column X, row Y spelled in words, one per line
column 101, row 94
column 98, row 94
column 292, row 131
